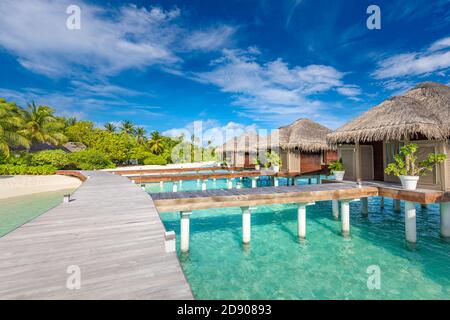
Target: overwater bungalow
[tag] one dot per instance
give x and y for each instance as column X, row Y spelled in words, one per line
column 369, row 142
column 240, row 151
column 302, row 147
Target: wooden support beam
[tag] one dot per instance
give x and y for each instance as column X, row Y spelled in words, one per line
column 410, row 222
column 246, row 224
column 184, row 231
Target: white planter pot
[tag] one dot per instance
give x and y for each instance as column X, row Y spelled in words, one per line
column 257, row 167
column 339, row 175
column 409, row 182
column 276, row 168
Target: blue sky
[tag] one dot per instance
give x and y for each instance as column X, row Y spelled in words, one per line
column 232, row 64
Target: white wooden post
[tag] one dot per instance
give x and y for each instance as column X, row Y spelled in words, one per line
column 410, row 221
column 275, row 181
column 253, row 182
column 345, row 217
column 396, row 205
column 365, row 206
column 301, row 219
column 184, row 226
column 181, row 183
column 238, row 185
column 246, row 224
column 203, row 185
column 445, row 219
column 230, row 184
column 169, row 241
column 335, row 208
column 174, row 187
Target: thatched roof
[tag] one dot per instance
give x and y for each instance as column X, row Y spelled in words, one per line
column 247, row 142
column 423, row 110
column 304, row 134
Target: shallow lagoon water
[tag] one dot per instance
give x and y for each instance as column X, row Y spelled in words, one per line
column 277, row 265
column 16, row 211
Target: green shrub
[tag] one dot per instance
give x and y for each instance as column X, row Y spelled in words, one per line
column 90, row 160
column 336, row 165
column 11, row 169
column 19, row 158
column 155, row 159
column 55, row 158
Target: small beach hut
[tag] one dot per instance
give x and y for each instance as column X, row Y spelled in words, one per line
column 369, row 142
column 240, row 151
column 303, row 147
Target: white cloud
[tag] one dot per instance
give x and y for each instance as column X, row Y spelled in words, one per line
column 349, row 90
column 110, row 39
column 435, row 58
column 209, row 39
column 211, row 131
column 274, row 90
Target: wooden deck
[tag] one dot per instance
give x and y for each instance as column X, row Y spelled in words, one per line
column 126, row 172
column 195, row 200
column 111, row 231
column 395, row 191
column 142, row 178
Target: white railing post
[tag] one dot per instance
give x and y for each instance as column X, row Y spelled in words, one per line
column 184, row 231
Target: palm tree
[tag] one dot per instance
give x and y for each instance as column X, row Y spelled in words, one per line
column 10, row 121
column 156, row 143
column 110, row 127
column 140, row 135
column 127, row 127
column 41, row 125
column 71, row 121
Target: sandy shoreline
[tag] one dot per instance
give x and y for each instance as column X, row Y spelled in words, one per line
column 15, row 186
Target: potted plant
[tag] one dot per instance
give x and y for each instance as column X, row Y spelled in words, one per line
column 337, row 169
column 274, row 160
column 258, row 164
column 408, row 170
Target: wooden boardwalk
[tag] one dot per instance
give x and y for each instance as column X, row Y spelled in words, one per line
column 111, row 231
column 395, row 191
column 219, row 198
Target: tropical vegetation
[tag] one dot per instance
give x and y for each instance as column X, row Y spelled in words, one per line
column 273, row 159
column 23, row 129
column 406, row 164
column 336, row 165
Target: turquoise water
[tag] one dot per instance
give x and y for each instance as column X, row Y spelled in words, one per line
column 276, row 265
column 191, row 185
column 16, row 211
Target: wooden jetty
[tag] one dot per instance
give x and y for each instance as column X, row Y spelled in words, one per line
column 341, row 194
column 109, row 234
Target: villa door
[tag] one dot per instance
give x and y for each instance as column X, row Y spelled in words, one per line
column 366, row 156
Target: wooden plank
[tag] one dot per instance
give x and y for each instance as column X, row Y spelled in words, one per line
column 395, row 191
column 111, row 230
column 196, row 200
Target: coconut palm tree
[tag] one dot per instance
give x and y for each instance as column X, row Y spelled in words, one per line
column 71, row 121
column 156, row 143
column 41, row 125
column 140, row 135
column 127, row 127
column 10, row 121
column 110, row 127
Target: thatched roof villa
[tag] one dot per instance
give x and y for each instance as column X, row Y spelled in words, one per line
column 369, row 142
column 302, row 146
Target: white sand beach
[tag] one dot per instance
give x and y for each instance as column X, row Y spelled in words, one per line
column 14, row 186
